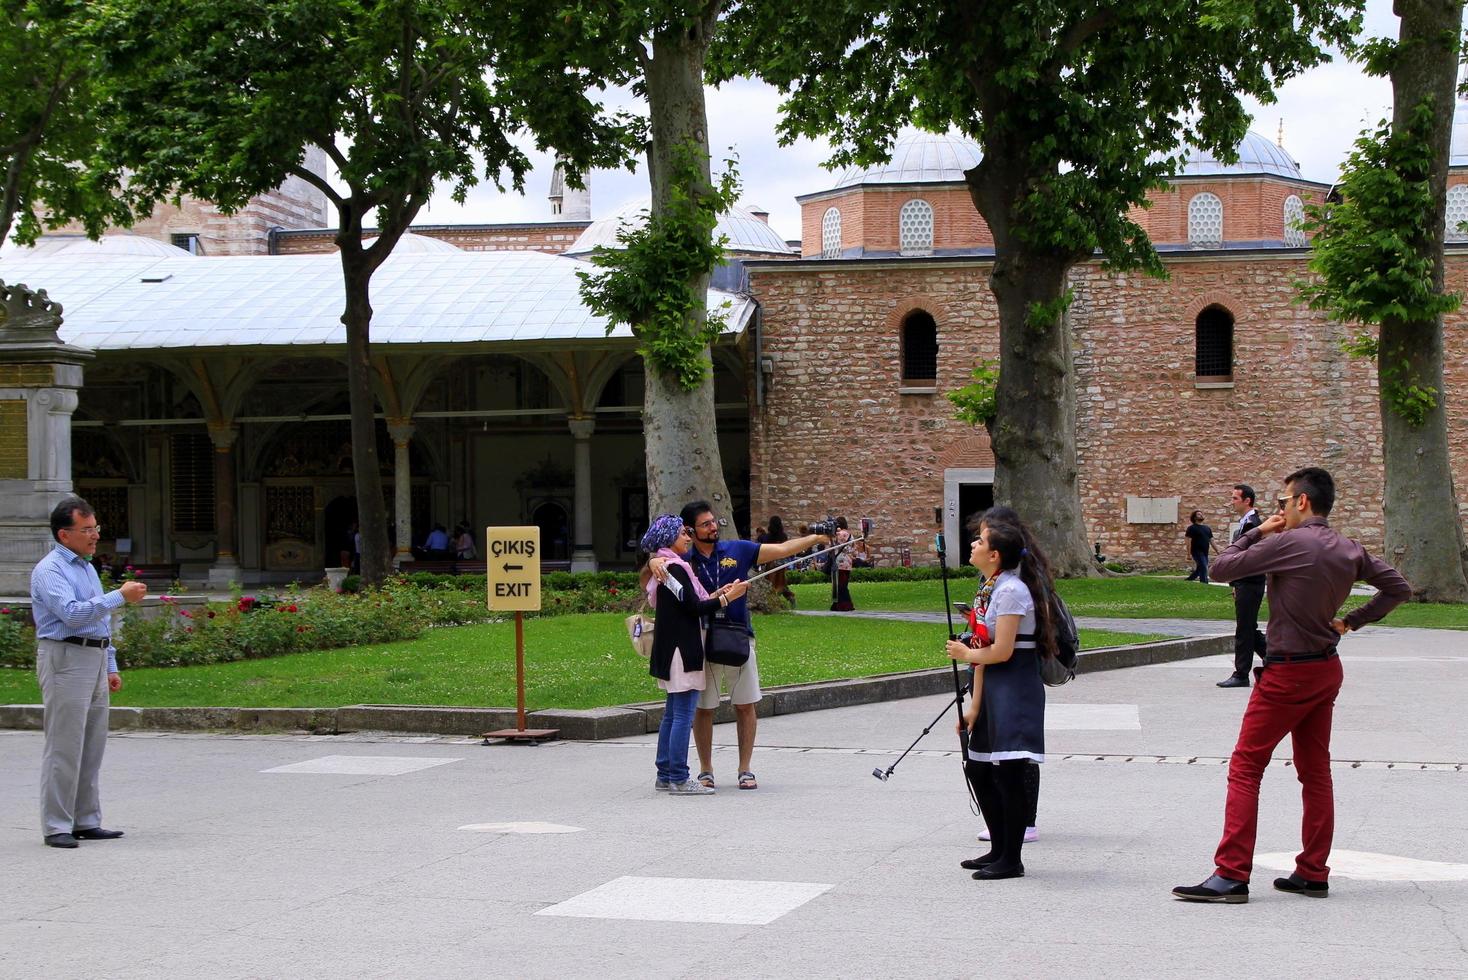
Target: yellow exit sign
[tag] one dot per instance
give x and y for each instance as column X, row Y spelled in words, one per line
column 512, row 555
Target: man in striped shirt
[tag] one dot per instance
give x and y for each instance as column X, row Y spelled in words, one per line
column 77, row 667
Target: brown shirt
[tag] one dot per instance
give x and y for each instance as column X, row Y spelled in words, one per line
column 1311, row 570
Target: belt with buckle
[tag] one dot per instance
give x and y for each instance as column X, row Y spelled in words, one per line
column 87, row 641
column 1299, row 658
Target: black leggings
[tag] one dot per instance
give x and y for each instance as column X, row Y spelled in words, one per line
column 1004, row 804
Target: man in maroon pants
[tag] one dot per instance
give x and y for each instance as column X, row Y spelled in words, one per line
column 1310, row 571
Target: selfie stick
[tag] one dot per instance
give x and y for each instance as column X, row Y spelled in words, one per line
column 834, row 547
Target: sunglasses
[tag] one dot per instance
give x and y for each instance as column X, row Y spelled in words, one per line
column 1284, row 502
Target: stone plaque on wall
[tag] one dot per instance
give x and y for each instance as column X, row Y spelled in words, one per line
column 14, row 447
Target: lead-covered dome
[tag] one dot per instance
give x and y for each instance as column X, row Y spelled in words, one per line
column 124, row 245
column 1458, row 151
column 1257, row 155
column 414, row 244
column 745, row 232
column 920, row 158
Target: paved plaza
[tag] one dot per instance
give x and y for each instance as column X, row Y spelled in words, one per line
column 382, row 856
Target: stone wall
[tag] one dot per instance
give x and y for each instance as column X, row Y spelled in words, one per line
column 835, row 434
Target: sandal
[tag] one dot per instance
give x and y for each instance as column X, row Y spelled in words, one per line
column 707, row 778
column 747, row 780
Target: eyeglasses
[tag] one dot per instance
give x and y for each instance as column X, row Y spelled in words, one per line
column 95, row 530
column 711, row 522
column 1286, row 501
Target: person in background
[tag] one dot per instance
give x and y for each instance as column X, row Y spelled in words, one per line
column 1248, row 595
column 436, row 545
column 1200, row 538
column 778, row 578
column 464, row 543
column 680, row 602
column 841, row 564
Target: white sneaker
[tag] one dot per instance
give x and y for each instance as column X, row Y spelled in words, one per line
column 690, row 787
column 1031, row 835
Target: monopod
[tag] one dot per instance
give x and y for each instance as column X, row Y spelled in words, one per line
column 887, row 774
column 957, row 681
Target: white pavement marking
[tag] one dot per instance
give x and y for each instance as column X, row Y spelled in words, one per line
column 1375, row 867
column 1092, row 717
column 745, row 903
column 525, row 827
column 364, row 765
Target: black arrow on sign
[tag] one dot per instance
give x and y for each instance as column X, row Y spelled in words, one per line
column 514, row 568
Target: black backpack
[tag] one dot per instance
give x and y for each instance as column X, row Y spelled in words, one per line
column 1061, row 668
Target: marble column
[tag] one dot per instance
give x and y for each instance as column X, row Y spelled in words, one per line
column 39, row 380
column 226, row 567
column 402, row 431
column 583, row 552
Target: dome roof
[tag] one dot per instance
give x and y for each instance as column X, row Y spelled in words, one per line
column 121, row 246
column 411, row 244
column 1458, row 151
column 920, row 158
column 1257, row 155
column 745, row 232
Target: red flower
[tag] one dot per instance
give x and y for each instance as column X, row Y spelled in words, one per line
column 186, row 613
column 291, row 608
column 300, row 629
column 165, row 598
column 5, row 611
column 211, row 614
column 188, row 629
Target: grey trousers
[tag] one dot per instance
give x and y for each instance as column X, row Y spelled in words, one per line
column 74, row 693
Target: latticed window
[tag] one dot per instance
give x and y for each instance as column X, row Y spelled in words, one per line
column 1294, row 222
column 1457, row 213
column 919, row 349
column 915, row 228
column 1213, row 358
column 831, row 234
column 1205, row 220
column 192, row 463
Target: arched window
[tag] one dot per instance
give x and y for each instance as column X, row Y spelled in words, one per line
column 1457, row 213
column 831, row 234
column 919, row 349
column 1213, row 357
column 1205, row 221
column 915, row 228
column 1294, row 221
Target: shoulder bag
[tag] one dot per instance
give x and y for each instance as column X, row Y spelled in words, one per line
column 726, row 642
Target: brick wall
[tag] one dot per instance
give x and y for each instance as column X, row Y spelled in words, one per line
column 835, row 434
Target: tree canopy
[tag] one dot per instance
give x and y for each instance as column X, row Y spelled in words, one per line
column 51, row 123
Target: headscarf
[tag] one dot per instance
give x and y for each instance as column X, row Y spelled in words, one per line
column 663, row 531
column 659, row 539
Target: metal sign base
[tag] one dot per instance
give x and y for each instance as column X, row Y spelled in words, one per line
column 532, row 736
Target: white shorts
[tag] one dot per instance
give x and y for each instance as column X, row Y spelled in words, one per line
column 742, row 682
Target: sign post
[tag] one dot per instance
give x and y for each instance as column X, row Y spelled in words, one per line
column 512, row 563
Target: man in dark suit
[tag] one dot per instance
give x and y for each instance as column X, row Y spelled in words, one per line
column 1248, row 595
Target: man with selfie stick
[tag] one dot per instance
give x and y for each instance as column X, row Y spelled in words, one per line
column 1310, row 570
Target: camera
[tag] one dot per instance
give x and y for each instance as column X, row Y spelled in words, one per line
column 826, row 527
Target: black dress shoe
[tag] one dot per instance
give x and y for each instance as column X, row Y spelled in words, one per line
column 1234, row 681
column 95, row 833
column 992, row 873
column 1215, row 889
column 974, row 864
column 1296, row 885
column 60, row 840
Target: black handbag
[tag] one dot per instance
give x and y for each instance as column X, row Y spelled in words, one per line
column 726, row 642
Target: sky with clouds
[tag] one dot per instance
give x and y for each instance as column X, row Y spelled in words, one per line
column 1322, row 111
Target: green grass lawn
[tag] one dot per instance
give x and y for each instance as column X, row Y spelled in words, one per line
column 1127, row 597
column 571, row 662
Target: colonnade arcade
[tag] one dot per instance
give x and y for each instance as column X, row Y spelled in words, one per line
column 236, row 464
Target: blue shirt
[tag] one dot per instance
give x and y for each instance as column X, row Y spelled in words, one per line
column 437, row 541
column 67, row 600
column 730, row 560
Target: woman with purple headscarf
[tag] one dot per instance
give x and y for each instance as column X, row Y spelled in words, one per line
column 680, row 603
